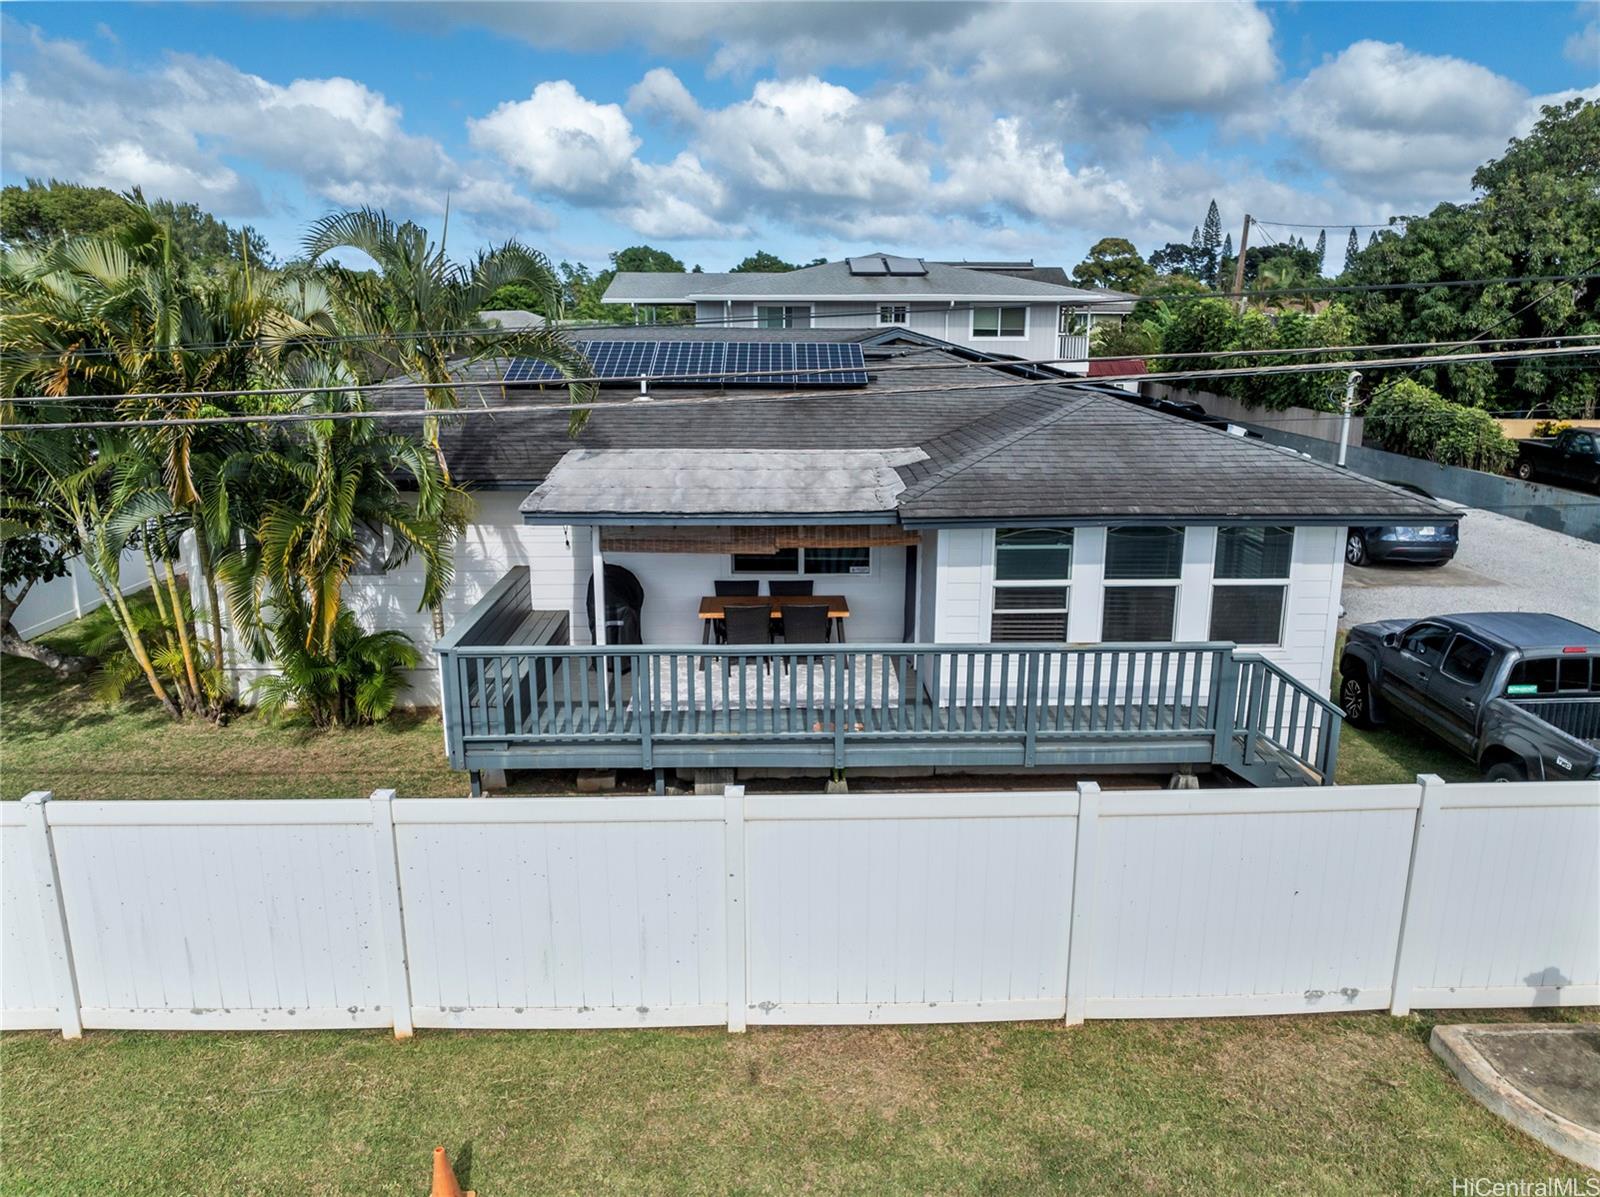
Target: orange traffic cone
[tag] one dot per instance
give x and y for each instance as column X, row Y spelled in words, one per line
column 444, row 1178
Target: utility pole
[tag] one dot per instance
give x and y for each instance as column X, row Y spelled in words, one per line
column 1349, row 406
column 1238, row 268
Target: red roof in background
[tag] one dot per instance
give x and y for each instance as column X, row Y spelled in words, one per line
column 1099, row 366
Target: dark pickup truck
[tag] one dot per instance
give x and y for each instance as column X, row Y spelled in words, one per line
column 1571, row 459
column 1518, row 693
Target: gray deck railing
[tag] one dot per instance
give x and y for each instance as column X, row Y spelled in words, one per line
column 1274, row 710
column 518, row 706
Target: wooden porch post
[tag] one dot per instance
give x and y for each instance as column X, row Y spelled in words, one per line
column 597, row 563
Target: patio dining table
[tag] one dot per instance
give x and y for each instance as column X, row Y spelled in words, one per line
column 715, row 606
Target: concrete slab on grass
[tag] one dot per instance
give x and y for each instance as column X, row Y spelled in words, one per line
column 1544, row 1079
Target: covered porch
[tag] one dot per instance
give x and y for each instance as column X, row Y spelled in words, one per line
column 867, row 575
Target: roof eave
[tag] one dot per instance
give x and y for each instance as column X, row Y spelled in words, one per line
column 1145, row 518
column 707, row 517
column 916, row 296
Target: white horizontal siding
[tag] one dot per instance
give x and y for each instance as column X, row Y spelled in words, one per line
column 964, row 594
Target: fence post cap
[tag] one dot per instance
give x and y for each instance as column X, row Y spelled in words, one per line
column 731, row 791
column 381, row 796
column 36, row 798
column 1088, row 787
column 1430, row 779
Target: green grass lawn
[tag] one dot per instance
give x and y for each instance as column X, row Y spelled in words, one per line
column 1319, row 1104
column 1394, row 752
column 55, row 735
column 1323, row 1104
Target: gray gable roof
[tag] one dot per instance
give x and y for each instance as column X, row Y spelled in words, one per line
column 1086, row 456
column 943, row 281
column 1000, row 449
column 657, row 286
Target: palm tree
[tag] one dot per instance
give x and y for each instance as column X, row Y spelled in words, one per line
column 333, row 490
column 156, row 327
column 71, row 475
column 412, row 310
column 1283, row 273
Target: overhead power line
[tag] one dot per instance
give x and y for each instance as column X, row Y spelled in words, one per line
column 312, row 339
column 524, row 409
column 786, row 371
column 1333, row 224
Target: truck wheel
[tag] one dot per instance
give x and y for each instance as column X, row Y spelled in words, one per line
column 1355, row 700
column 1525, row 470
column 1505, row 771
column 1355, row 549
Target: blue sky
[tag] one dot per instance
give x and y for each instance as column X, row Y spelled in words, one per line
column 1015, row 130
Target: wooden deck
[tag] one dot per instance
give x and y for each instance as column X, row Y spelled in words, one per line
column 514, row 705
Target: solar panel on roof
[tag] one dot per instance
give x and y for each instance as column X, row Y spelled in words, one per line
column 766, row 360
column 851, row 371
column 905, row 266
column 686, row 363
column 527, row 369
column 871, row 265
column 620, row 359
column 711, row 363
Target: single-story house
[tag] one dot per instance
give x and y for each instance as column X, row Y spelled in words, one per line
column 1011, row 309
column 1018, row 569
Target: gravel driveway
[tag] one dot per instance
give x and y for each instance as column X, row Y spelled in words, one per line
column 1503, row 564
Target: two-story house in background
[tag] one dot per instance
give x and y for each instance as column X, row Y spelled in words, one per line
column 1010, row 309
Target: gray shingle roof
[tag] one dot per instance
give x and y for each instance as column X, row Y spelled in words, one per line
column 657, row 286
column 999, row 449
column 942, row 282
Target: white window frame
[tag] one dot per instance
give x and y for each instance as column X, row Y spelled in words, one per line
column 788, row 319
column 972, row 322
column 1282, row 582
column 902, row 320
column 997, row 583
column 1175, row 584
column 801, row 571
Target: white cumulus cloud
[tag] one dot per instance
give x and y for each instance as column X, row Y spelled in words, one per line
column 1389, row 121
column 175, row 130
column 560, row 141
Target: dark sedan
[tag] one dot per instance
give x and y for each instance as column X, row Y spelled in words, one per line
column 1422, row 544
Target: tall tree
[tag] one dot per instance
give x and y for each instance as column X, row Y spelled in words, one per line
column 762, row 262
column 1211, row 241
column 419, row 312
column 49, row 211
column 645, row 258
column 1351, row 248
column 1322, row 252
column 335, row 493
column 1113, row 262
column 1537, row 212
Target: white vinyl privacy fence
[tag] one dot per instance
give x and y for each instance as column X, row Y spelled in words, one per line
column 736, row 910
